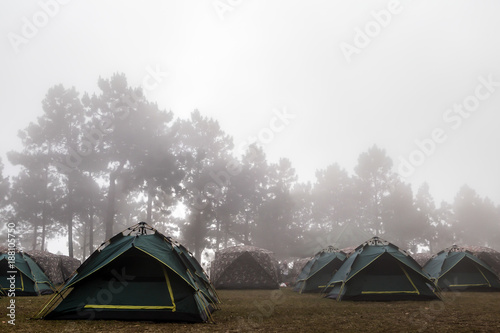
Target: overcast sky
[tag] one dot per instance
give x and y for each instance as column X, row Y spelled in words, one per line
column 344, row 75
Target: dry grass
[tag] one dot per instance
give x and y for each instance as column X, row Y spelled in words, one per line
column 286, row 311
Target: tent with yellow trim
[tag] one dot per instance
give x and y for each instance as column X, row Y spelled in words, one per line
column 23, row 277
column 319, row 270
column 139, row 274
column 456, row 268
column 379, row 271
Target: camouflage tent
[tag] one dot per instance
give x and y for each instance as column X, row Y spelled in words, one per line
column 57, row 267
column 348, row 250
column 422, row 258
column 245, row 267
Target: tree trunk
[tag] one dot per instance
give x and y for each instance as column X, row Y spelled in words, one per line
column 84, row 247
column 197, row 242
column 217, row 237
column 70, row 223
column 247, row 226
column 35, row 235
column 150, row 203
column 44, row 209
column 375, row 215
column 43, row 234
column 91, row 222
column 70, row 214
column 91, row 228
column 110, row 210
column 226, row 234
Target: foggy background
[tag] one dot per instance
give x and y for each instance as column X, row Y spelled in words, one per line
column 241, row 62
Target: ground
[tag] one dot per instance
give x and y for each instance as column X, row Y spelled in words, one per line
column 286, row 311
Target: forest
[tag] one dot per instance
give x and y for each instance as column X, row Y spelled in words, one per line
column 92, row 165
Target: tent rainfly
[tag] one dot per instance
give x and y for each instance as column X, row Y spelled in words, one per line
column 57, row 267
column 422, row 258
column 245, row 267
column 458, row 269
column 319, row 270
column 379, row 271
column 490, row 256
column 139, row 274
column 29, row 278
column 298, row 265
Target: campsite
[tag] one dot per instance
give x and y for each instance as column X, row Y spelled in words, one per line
column 241, row 311
column 375, row 286
column 249, row 166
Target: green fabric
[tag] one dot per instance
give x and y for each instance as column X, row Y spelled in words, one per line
column 41, row 280
column 378, row 270
column 344, row 271
column 324, row 260
column 163, row 251
column 143, row 283
column 99, row 259
column 450, row 261
column 461, row 270
column 306, row 270
column 434, row 266
column 30, row 278
column 318, row 271
column 387, row 282
column 143, row 270
column 20, row 264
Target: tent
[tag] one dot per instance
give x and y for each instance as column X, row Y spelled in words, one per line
column 458, row 269
column 490, row 256
column 29, row 278
column 422, row 258
column 297, row 266
column 245, row 267
column 379, row 271
column 57, row 267
column 139, row 274
column 319, row 270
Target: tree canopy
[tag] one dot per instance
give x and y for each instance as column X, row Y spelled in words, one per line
column 91, row 165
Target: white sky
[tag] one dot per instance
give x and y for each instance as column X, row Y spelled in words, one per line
column 267, row 55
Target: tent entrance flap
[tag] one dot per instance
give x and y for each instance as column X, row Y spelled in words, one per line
column 144, row 283
column 465, row 273
column 387, row 276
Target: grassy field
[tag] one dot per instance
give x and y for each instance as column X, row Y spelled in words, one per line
column 286, row 311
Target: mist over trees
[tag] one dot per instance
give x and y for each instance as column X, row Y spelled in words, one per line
column 92, row 165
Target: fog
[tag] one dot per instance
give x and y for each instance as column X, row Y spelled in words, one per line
column 289, row 125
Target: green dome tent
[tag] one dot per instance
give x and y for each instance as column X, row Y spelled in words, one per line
column 379, row 271
column 298, row 265
column 458, row 269
column 29, row 278
column 319, row 270
column 138, row 274
column 488, row 255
